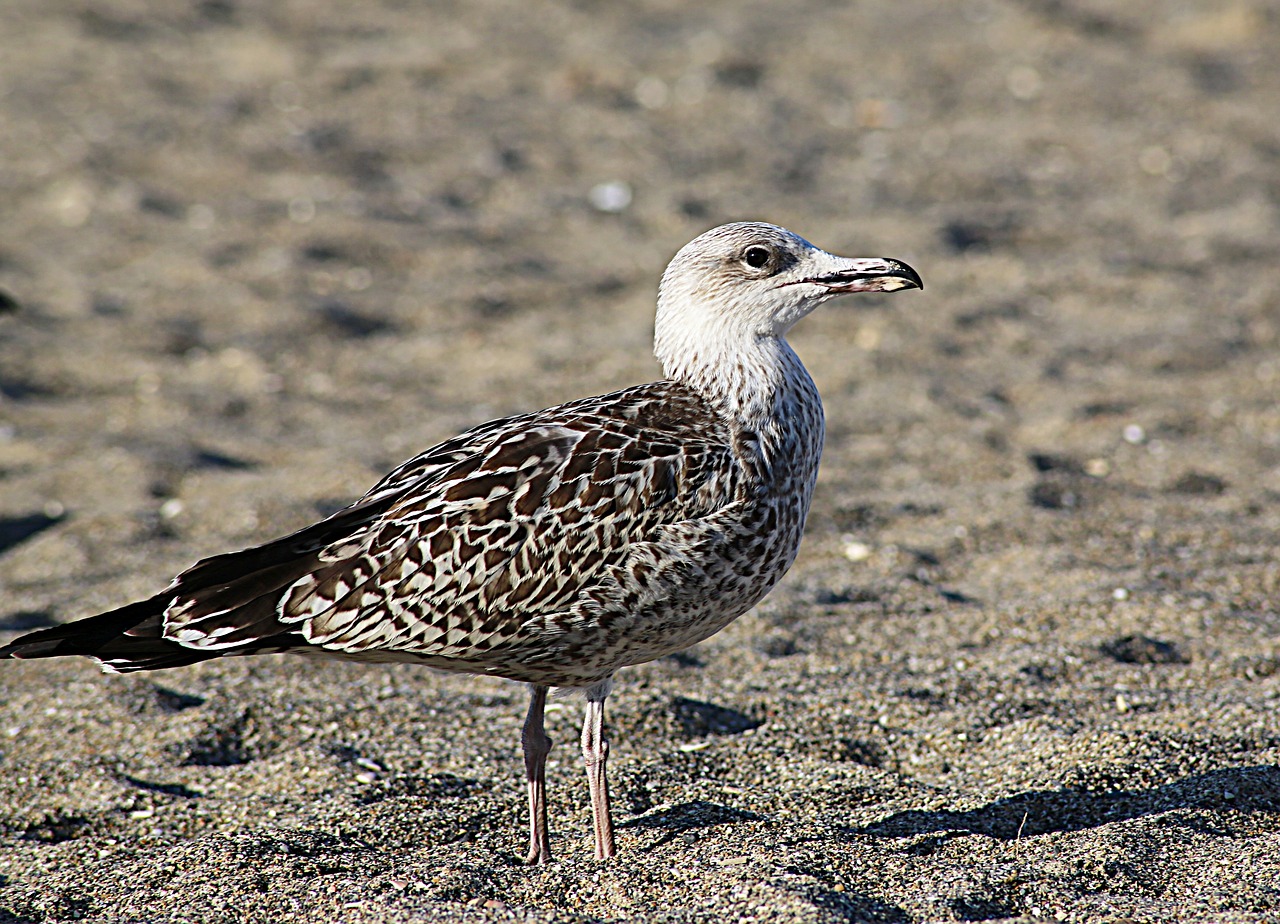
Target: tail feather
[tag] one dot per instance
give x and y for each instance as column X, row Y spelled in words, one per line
column 107, row 638
column 223, row 605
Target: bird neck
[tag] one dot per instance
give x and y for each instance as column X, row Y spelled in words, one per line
column 763, row 389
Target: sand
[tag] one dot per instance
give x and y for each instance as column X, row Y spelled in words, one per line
column 1028, row 664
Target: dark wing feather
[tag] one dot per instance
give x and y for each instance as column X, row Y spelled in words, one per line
column 449, row 554
column 521, row 531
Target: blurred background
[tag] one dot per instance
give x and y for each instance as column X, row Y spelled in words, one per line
column 252, row 254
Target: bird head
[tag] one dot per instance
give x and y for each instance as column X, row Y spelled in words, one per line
column 745, row 281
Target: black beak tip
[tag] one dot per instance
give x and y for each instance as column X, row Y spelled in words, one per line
column 903, row 271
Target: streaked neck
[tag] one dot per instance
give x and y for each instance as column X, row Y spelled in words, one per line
column 764, row 389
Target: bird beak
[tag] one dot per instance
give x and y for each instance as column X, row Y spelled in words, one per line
column 871, row 274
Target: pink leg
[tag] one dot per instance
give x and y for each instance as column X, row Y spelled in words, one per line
column 537, row 746
column 595, row 752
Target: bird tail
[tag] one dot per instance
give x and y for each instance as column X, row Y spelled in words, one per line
column 122, row 640
column 229, row 598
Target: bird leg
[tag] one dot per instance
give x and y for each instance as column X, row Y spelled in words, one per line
column 536, row 744
column 595, row 752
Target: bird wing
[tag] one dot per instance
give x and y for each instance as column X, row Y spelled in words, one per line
column 474, row 541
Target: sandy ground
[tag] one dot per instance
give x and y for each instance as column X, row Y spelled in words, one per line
column 1028, row 666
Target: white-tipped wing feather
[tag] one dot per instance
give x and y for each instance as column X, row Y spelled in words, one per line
column 486, row 549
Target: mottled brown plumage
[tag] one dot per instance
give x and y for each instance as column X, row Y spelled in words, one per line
column 556, row 547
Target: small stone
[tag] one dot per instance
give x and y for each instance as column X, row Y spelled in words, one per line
column 857, row 551
column 613, row 196
column 1024, row 83
column 1097, row 468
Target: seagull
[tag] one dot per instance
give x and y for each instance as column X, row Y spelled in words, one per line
column 555, row 547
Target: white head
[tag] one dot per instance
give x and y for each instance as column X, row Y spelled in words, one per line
column 742, row 283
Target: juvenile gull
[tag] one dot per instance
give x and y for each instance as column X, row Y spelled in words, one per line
column 556, row 547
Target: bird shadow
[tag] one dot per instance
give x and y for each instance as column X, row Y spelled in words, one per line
column 699, row 719
column 1245, row 790
column 679, row 819
column 689, row 815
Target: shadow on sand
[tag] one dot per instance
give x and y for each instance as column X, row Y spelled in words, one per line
column 1245, row 790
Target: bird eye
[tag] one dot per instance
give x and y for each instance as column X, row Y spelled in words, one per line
column 756, row 257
